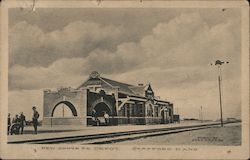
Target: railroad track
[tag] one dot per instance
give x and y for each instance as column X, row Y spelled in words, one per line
column 109, row 138
column 139, row 136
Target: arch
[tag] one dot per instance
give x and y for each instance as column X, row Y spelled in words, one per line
column 68, row 104
column 164, row 116
column 100, row 108
column 102, row 100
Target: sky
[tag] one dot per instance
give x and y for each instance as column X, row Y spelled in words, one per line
column 169, row 48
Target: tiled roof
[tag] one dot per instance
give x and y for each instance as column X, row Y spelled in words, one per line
column 132, row 90
column 138, row 90
column 123, row 87
column 96, row 79
column 93, row 81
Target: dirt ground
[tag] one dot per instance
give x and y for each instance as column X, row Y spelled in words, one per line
column 227, row 135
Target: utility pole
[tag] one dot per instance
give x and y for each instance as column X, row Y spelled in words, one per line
column 219, row 63
column 219, row 80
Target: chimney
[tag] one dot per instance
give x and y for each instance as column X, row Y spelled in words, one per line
column 140, row 84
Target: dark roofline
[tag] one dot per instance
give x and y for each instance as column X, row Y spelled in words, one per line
column 136, row 96
column 133, row 86
column 130, row 85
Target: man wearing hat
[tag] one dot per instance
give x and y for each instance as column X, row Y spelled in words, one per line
column 35, row 119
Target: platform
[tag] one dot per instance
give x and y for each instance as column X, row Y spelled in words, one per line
column 48, row 132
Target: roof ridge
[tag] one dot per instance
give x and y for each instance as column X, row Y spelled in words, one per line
column 134, row 86
column 125, row 87
column 118, row 81
column 101, row 78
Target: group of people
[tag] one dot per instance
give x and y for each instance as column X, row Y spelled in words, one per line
column 20, row 120
column 96, row 119
column 16, row 125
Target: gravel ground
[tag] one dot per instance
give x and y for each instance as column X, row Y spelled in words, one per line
column 228, row 135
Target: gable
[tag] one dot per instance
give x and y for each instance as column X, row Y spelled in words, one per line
column 149, row 91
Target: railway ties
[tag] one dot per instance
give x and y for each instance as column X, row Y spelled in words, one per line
column 139, row 136
column 121, row 136
column 109, row 138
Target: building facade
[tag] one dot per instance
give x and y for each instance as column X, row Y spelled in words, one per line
column 124, row 103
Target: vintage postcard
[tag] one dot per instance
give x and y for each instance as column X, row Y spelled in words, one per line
column 104, row 79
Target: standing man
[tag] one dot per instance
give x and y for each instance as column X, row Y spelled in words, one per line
column 22, row 122
column 35, row 119
column 9, row 124
column 106, row 117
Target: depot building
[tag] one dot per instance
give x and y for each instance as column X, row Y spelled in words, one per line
column 124, row 103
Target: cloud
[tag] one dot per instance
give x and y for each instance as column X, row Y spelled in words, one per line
column 31, row 46
column 187, row 40
column 64, row 72
column 184, row 41
column 22, row 101
column 174, row 57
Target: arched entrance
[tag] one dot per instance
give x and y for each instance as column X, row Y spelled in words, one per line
column 64, row 105
column 164, row 115
column 100, row 108
column 98, row 111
